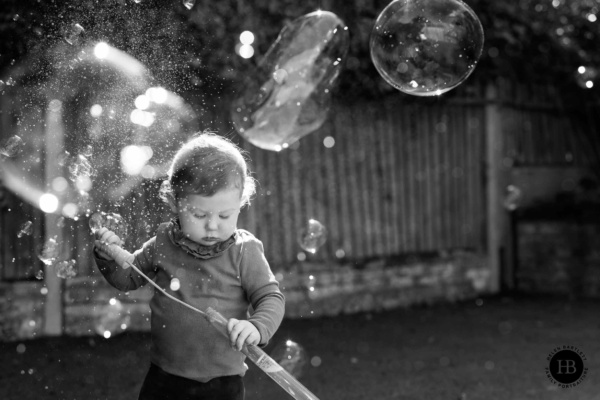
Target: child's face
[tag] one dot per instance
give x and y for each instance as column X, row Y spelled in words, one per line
column 209, row 220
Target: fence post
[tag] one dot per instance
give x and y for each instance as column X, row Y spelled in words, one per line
column 54, row 142
column 496, row 224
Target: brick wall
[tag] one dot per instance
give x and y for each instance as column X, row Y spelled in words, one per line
column 311, row 290
column 559, row 256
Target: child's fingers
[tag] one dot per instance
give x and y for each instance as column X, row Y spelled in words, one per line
column 110, row 238
column 98, row 234
column 234, row 327
column 241, row 332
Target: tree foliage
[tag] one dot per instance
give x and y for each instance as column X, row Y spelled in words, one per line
column 194, row 50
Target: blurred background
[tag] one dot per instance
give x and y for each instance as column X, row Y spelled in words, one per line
column 471, row 174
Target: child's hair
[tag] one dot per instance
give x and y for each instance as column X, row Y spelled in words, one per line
column 206, row 164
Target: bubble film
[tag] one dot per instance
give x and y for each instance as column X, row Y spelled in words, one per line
column 289, row 95
column 11, row 146
column 426, row 47
column 26, row 229
column 291, row 356
column 312, row 236
column 112, row 320
column 66, row 269
column 49, row 252
column 108, row 124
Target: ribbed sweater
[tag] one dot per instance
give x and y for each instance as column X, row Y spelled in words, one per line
column 237, row 282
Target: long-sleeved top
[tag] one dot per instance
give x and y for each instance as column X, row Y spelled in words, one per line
column 237, row 282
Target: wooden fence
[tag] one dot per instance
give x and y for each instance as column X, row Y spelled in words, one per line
column 403, row 176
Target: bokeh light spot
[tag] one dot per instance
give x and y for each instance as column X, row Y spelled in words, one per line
column 101, row 50
column 246, row 37
column 48, row 203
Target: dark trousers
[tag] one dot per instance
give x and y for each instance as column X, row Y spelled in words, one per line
column 160, row 385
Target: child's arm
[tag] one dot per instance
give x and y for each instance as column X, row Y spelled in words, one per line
column 120, row 278
column 262, row 289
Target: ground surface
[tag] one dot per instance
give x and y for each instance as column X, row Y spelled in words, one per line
column 495, row 348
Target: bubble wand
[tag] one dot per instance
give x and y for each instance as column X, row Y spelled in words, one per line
column 261, row 359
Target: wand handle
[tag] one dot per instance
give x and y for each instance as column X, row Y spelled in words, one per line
column 121, row 256
column 263, row 361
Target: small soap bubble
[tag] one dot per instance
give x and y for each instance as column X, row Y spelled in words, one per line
column 291, row 356
column 189, row 4
column 426, row 47
column 96, row 222
column 280, row 76
column 80, row 169
column 112, row 319
column 11, row 146
column 73, row 33
column 39, row 275
column 312, row 236
column 26, row 229
column 49, row 252
column 66, row 269
column 111, row 221
column 512, row 198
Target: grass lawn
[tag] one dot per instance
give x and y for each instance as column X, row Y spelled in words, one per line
column 493, row 348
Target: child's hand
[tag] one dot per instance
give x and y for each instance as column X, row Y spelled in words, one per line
column 105, row 236
column 242, row 331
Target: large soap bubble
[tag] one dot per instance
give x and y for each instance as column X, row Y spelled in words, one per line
column 426, row 47
column 290, row 94
column 95, row 114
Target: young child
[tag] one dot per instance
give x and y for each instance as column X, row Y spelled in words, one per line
column 217, row 265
